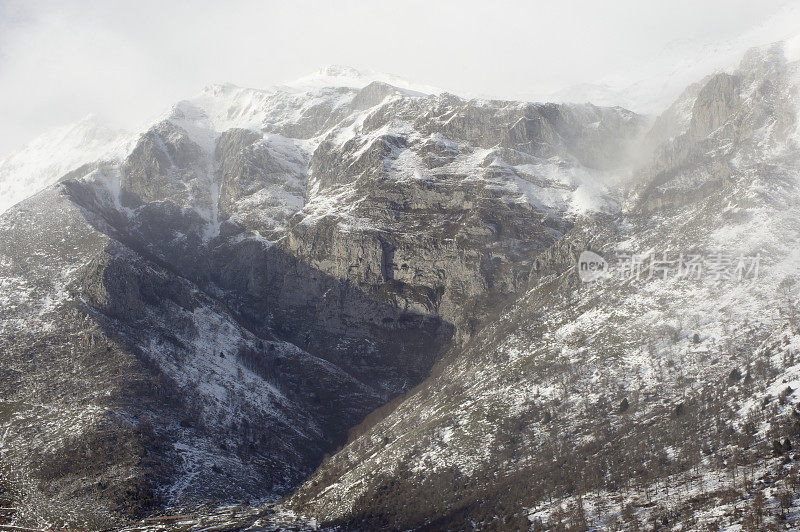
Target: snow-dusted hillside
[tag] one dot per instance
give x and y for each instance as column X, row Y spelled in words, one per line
column 644, row 398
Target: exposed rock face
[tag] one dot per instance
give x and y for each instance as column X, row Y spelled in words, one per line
column 261, row 181
column 714, row 104
column 209, row 316
column 443, row 198
column 165, row 164
column 725, row 122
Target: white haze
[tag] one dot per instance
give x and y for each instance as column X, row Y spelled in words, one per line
column 127, row 62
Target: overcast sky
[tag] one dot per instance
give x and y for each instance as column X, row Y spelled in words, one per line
column 129, row 61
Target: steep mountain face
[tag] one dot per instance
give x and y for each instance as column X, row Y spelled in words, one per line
column 203, row 317
column 661, row 395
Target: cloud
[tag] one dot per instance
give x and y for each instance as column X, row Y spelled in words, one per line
column 129, row 61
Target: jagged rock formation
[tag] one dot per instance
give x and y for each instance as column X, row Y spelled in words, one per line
column 724, row 122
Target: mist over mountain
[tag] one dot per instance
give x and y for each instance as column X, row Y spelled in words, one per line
column 355, row 302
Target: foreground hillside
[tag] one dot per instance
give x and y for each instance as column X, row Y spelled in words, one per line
column 662, row 395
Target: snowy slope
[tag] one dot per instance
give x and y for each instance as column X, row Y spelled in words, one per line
column 47, row 158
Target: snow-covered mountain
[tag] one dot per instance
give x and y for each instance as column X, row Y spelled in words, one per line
column 361, row 294
column 47, row 158
column 209, row 312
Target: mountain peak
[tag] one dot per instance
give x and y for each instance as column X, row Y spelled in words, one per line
column 347, row 76
column 339, row 71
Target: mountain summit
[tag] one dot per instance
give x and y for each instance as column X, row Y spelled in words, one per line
column 345, row 76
